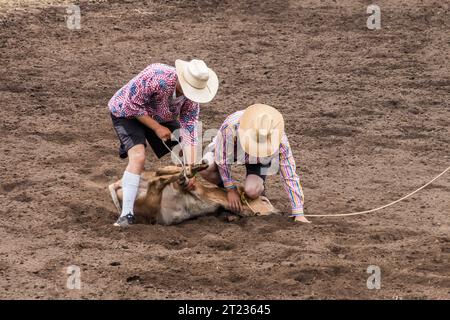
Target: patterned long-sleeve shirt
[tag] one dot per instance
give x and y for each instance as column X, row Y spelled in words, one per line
column 151, row 93
column 226, row 152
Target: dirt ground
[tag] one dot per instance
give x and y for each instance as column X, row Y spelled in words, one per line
column 367, row 112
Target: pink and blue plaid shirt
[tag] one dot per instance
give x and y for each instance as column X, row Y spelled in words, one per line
column 226, row 144
column 151, row 93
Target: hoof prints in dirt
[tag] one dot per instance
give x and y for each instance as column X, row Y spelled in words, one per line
column 9, row 187
column 308, row 275
column 217, row 243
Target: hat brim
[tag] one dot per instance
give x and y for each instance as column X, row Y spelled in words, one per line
column 204, row 95
column 247, row 133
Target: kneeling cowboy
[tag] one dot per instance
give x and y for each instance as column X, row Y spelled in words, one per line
column 254, row 137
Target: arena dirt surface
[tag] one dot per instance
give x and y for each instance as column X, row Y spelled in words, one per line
column 367, row 113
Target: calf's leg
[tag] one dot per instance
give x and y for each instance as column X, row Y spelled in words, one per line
column 113, row 187
column 211, row 173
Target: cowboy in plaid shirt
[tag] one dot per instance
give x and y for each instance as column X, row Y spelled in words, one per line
column 267, row 149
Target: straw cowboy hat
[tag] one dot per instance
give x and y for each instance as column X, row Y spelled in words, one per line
column 199, row 83
column 261, row 129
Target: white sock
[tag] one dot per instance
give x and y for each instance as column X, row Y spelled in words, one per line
column 130, row 186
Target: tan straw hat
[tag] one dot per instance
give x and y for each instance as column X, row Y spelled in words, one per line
column 199, row 83
column 261, row 128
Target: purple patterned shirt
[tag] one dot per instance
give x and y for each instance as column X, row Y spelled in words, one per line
column 151, row 93
column 226, row 147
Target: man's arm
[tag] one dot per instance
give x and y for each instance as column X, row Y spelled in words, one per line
column 189, row 116
column 149, row 122
column 223, row 155
column 132, row 98
column 291, row 181
column 162, row 132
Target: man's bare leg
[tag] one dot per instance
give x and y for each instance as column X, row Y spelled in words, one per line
column 254, row 186
column 130, row 184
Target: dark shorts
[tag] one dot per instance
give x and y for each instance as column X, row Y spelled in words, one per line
column 131, row 132
column 257, row 169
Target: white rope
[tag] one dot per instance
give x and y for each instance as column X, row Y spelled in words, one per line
column 382, row 207
column 176, row 156
column 245, row 201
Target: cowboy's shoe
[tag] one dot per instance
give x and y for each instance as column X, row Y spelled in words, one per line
column 125, row 221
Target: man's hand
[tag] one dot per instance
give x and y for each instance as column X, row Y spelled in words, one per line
column 163, row 133
column 301, row 219
column 234, row 200
column 191, row 184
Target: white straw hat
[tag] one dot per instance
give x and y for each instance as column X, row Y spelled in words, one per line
column 261, row 128
column 198, row 82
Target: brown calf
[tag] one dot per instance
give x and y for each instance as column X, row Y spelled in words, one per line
column 163, row 198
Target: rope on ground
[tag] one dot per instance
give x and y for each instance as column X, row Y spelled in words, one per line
column 382, row 207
